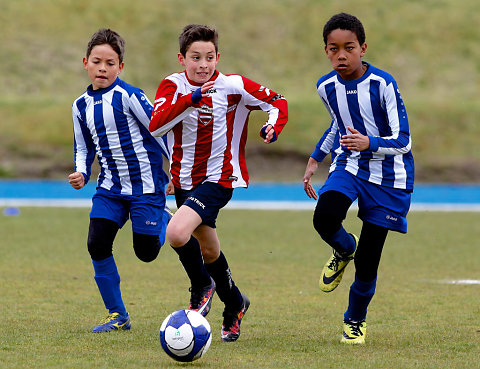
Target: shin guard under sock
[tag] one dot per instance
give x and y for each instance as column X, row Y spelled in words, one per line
column 191, row 258
column 226, row 289
column 361, row 294
column 108, row 282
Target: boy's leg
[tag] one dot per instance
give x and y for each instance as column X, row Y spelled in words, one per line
column 101, row 234
column 236, row 303
column 331, row 210
column 367, row 260
column 179, row 233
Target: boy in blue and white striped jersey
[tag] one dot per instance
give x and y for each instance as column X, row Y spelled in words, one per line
column 370, row 142
column 110, row 120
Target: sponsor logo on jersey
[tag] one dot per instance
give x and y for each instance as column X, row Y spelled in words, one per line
column 351, row 92
column 98, row 102
column 233, row 178
column 205, row 114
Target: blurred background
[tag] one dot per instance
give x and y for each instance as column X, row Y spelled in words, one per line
column 430, row 47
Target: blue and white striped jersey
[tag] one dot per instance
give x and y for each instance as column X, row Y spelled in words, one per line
column 113, row 124
column 372, row 105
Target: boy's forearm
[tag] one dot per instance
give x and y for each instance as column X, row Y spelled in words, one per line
column 166, row 115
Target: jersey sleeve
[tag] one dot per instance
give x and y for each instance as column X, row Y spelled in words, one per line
column 169, row 108
column 398, row 141
column 84, row 148
column 142, row 108
column 258, row 97
column 327, row 143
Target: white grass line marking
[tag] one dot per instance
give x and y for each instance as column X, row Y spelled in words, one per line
column 462, row 281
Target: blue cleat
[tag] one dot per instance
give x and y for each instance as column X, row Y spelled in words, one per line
column 113, row 322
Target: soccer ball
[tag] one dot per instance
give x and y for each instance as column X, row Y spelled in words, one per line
column 185, row 335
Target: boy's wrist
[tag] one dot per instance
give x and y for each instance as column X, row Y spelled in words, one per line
column 197, row 96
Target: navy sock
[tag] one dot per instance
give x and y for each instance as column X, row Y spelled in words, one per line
column 108, row 282
column 191, row 258
column 361, row 294
column 226, row 289
column 343, row 242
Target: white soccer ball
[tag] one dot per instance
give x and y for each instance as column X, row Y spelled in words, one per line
column 185, row 335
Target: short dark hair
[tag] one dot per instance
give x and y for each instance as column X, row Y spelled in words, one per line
column 107, row 36
column 346, row 22
column 197, row 32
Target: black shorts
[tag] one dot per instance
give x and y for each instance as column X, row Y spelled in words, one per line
column 206, row 199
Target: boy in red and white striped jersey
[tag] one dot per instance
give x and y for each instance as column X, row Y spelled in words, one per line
column 205, row 116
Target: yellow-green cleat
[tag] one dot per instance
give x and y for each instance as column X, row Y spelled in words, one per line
column 113, row 322
column 333, row 270
column 354, row 332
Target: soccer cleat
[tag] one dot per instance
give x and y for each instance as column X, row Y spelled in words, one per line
column 354, row 332
column 231, row 321
column 333, row 270
column 113, row 322
column 201, row 300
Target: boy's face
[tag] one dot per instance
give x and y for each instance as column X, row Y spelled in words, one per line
column 200, row 61
column 345, row 53
column 103, row 66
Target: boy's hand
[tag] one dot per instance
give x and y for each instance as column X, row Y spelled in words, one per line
column 76, row 180
column 268, row 134
column 170, row 189
column 356, row 141
column 205, row 87
column 201, row 92
column 312, row 166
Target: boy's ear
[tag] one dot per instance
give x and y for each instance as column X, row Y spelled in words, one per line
column 363, row 48
column 85, row 62
column 181, row 59
column 120, row 67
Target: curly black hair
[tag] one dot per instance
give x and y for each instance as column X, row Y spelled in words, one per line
column 346, row 22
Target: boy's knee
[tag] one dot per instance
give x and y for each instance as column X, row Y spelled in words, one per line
column 146, row 246
column 101, row 234
column 176, row 235
column 326, row 224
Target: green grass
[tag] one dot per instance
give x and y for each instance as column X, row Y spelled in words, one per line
column 430, row 47
column 49, row 301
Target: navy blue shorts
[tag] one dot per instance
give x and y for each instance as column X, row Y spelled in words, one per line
column 206, row 199
column 380, row 205
column 147, row 211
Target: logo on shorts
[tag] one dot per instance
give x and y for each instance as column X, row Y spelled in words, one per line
column 196, row 201
column 392, row 218
column 205, row 114
column 148, row 222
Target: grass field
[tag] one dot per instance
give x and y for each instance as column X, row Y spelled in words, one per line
column 49, row 301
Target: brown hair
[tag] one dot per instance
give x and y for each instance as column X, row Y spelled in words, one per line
column 107, row 36
column 197, row 32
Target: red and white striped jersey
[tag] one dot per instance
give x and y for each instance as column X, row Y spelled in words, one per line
column 207, row 140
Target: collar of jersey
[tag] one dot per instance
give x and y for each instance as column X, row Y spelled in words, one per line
column 358, row 80
column 101, row 91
